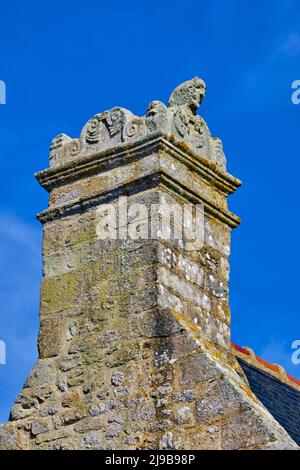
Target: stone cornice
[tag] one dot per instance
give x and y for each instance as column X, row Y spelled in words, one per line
column 211, row 209
column 161, row 179
column 121, row 154
column 210, row 171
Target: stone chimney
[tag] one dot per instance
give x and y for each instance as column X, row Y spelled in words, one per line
column 134, row 342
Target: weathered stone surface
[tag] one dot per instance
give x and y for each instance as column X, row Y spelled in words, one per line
column 134, row 339
column 184, row 415
column 39, row 427
column 50, row 336
column 8, row 438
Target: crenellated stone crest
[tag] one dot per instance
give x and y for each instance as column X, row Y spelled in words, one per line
column 178, row 121
column 106, row 129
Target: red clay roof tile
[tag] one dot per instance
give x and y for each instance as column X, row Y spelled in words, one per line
column 272, row 367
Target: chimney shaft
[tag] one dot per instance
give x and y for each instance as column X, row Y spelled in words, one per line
column 134, row 342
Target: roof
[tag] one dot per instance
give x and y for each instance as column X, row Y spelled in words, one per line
column 278, row 391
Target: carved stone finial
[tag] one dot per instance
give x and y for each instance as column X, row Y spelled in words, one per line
column 189, row 93
column 177, row 121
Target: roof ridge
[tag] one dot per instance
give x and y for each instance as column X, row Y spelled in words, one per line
column 275, row 369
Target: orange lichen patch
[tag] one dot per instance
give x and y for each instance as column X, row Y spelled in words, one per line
column 181, row 144
column 185, row 321
column 144, row 444
column 71, row 399
column 147, row 393
column 249, row 393
column 266, row 366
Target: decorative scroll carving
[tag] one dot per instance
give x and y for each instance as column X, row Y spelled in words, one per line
column 106, row 129
column 135, row 129
column 114, row 123
column 75, row 147
column 178, row 120
column 93, row 131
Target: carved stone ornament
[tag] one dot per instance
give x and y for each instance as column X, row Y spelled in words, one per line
column 178, row 121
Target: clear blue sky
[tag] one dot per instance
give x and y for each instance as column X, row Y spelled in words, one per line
column 65, row 61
